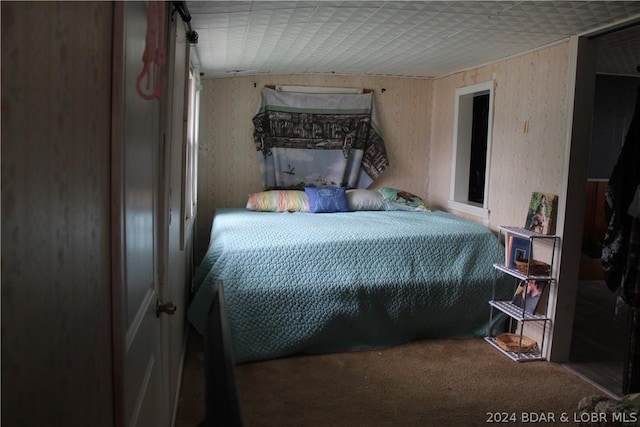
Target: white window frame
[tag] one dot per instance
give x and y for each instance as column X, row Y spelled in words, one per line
column 191, row 152
column 461, row 155
column 191, row 117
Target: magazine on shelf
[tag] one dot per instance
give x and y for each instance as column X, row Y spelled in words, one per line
column 517, row 248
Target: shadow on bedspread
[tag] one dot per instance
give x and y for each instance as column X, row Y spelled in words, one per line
column 317, row 283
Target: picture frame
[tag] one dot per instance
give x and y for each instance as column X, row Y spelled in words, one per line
column 529, row 295
column 542, row 212
column 517, row 248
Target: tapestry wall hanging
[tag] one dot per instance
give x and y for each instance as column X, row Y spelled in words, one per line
column 318, row 140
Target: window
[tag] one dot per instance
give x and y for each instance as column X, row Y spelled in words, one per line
column 191, row 148
column 472, row 149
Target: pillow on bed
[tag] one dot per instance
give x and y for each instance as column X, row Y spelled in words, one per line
column 365, row 200
column 327, row 199
column 402, row 200
column 279, row 201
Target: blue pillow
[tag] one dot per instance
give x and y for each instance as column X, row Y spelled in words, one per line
column 327, row 199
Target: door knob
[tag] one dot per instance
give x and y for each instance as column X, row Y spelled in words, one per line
column 167, row 308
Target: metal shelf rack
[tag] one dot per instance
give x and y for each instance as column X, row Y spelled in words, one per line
column 513, row 311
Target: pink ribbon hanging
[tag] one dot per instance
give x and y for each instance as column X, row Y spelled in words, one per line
column 154, row 53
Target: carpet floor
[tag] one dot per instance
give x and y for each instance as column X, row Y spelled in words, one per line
column 454, row 382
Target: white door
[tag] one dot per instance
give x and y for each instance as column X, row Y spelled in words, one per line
column 141, row 398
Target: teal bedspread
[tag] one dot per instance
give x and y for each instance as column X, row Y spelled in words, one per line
column 315, row 283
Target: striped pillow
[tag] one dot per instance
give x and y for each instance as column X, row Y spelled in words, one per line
column 279, row 201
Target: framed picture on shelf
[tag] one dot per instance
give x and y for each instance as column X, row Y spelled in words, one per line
column 517, row 248
column 529, row 294
column 541, row 216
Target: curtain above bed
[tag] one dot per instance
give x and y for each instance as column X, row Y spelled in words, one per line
column 317, row 140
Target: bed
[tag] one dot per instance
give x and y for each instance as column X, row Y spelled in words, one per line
column 304, row 282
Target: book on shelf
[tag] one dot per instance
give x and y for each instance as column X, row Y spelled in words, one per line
column 516, row 248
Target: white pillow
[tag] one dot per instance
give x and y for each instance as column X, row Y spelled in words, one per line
column 365, row 200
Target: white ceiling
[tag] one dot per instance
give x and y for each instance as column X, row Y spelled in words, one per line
column 398, row 38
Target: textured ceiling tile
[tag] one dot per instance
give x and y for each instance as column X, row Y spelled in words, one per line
column 419, row 38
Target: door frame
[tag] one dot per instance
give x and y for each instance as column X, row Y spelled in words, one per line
column 580, row 103
column 173, row 329
column 118, row 305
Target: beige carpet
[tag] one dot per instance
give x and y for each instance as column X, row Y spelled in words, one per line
column 426, row 383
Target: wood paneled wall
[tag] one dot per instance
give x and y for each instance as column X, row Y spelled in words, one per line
column 529, row 131
column 595, row 223
column 56, row 283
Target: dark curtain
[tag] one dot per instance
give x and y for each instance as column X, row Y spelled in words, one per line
column 622, row 186
column 622, row 243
